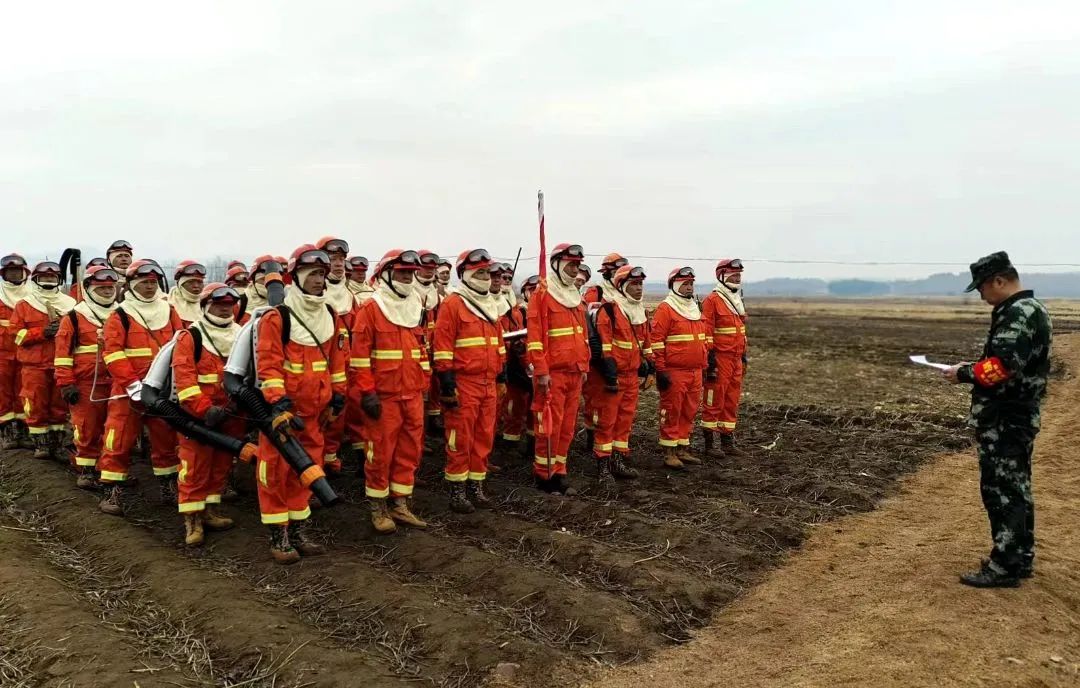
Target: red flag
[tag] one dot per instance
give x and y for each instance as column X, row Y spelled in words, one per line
column 543, row 237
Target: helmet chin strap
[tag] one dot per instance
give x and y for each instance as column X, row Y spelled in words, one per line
column 388, row 277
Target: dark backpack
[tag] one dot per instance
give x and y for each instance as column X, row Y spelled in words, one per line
column 596, row 351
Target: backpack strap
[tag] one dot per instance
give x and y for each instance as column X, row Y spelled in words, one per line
column 286, row 323
column 74, row 318
column 242, row 309
column 125, row 320
column 196, row 339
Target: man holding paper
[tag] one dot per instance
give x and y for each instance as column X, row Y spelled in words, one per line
column 1008, row 385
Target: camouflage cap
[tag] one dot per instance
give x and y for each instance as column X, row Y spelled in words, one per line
column 988, row 266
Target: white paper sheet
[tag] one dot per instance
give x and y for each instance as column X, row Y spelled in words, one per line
column 921, row 360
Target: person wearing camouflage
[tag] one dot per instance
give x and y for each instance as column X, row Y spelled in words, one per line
column 1008, row 386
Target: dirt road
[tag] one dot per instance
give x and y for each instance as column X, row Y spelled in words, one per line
column 873, row 599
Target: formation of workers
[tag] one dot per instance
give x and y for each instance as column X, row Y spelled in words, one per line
column 350, row 357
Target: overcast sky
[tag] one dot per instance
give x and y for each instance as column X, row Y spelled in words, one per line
column 861, row 130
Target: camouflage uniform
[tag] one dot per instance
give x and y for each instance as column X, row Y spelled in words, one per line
column 1008, row 387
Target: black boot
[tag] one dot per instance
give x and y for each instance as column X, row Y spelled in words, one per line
column 8, row 436
column 727, row 443
column 22, row 435
column 475, row 491
column 710, row 443
column 561, row 484
column 42, row 446
column 1026, row 570
column 622, row 470
column 990, row 576
column 604, row 478
column 280, row 548
column 56, row 445
column 590, row 439
column 459, row 501
column 299, row 540
column 530, row 447
column 167, row 489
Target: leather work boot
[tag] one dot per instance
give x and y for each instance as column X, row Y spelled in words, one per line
column 561, row 485
column 193, row 529
column 22, row 436
column 56, row 445
column 459, row 502
column 621, row 469
column 113, row 501
column 711, row 448
column 280, row 548
column 87, row 479
column 214, row 520
column 475, row 492
column 401, row 513
column 604, row 479
column 167, row 489
column 300, row 541
column 8, row 440
column 671, row 459
column 42, row 446
column 990, row 577
column 686, row 457
column 380, row 518
column 1027, row 569
column 727, row 442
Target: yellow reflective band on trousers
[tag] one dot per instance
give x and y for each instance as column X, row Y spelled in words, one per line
column 338, row 378
column 262, row 473
column 535, row 346
column 110, row 436
column 300, row 515
column 376, row 494
column 477, row 476
column 402, row 490
column 456, row 477
column 188, row 507
column 20, row 336
column 110, row 476
column 275, row 519
column 169, row 470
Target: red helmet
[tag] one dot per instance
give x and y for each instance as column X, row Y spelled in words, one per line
column 189, row 268
column 399, row 258
column 428, row 258
column 583, row 268
column 97, row 261
column 307, row 254
column 612, row 262
column 218, row 291
column 234, row 272
column 14, row 260
column 475, row 259
column 145, row 267
column 100, row 274
column 680, row 275
column 233, row 263
column 333, row 245
column 119, row 246
column 530, row 284
column 570, row 252
column 627, row 273
column 728, row 265
column 47, row 267
column 445, row 263
column 257, row 265
column 358, row 263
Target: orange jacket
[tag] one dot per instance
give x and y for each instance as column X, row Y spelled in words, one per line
column 622, row 341
column 199, row 384
column 78, row 352
column 7, row 333
column 34, row 349
column 128, row 354
column 728, row 328
column 678, row 343
column 309, row 375
column 593, row 294
column 512, row 321
column 467, row 343
column 556, row 339
column 387, row 358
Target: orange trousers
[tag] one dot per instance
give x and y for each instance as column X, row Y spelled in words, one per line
column 333, row 435
column 123, row 426
column 88, row 422
column 558, row 415
column 355, row 431
column 282, row 497
column 615, row 415
column 678, row 406
column 396, row 444
column 592, row 395
column 721, row 409
column 470, row 429
column 44, row 407
column 516, row 413
column 204, row 471
column 10, row 408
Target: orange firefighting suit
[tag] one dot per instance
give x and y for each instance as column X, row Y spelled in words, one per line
column 304, row 374
column 204, row 471
column 472, row 348
column 10, row 409
column 628, row 345
column 557, row 346
column 390, row 360
column 679, row 348
column 517, row 402
column 42, row 404
column 79, row 362
column 128, row 354
column 334, row 433
column 728, row 330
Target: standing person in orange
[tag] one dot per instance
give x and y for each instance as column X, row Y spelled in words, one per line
column 361, row 291
column 679, row 345
column 340, row 298
column 598, row 293
column 358, row 283
column 583, row 276
column 469, row 356
column 622, row 329
column 81, row 374
column 592, row 393
column 36, row 321
column 301, row 367
column 517, row 403
column 133, row 335
column 558, row 349
column 442, row 276
column 390, row 373
column 119, row 257
column 198, row 371
column 725, row 318
column 184, row 297
column 237, row 278
column 256, row 288
column 427, row 288
column 14, row 278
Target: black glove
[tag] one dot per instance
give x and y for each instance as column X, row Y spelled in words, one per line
column 447, row 388
column 215, row 416
column 51, row 329
column 500, row 378
column 744, row 359
column 70, row 394
column 337, row 403
column 645, row 369
column 281, row 412
column 711, row 373
column 611, row 375
column 663, row 381
column 371, row 405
